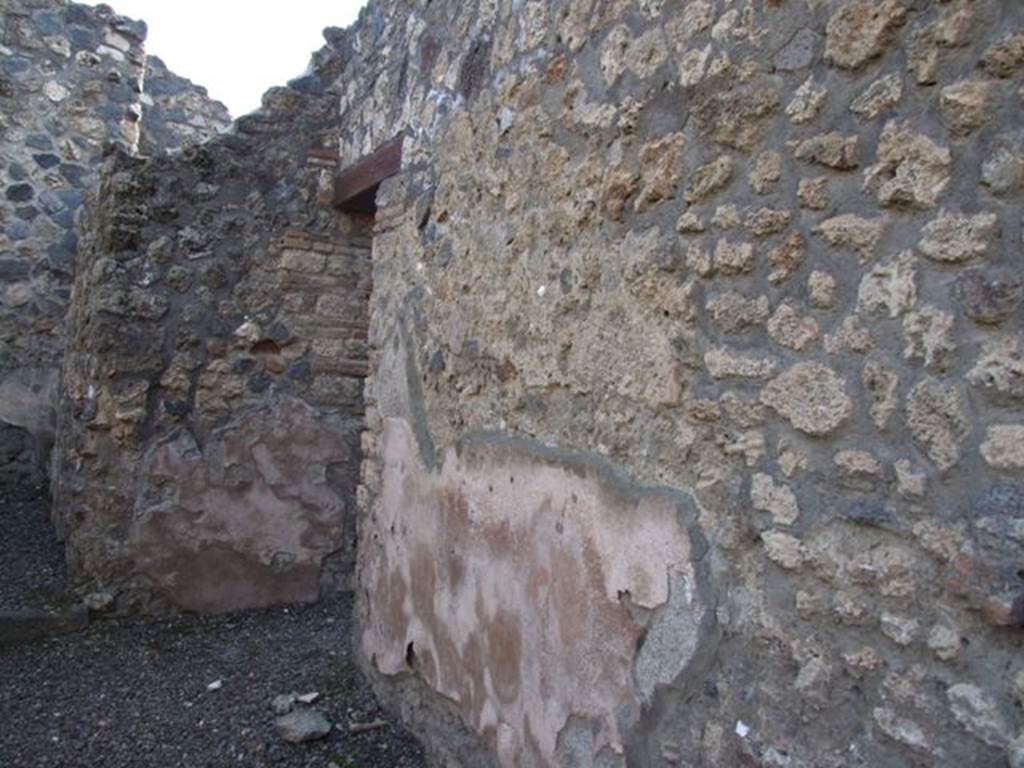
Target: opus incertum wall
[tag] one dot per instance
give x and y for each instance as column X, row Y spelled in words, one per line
column 73, row 79
column 761, row 263
column 208, row 450
column 693, row 418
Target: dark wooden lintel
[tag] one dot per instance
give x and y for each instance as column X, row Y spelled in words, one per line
column 355, row 188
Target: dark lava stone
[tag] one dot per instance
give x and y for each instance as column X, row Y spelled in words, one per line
column 243, row 366
column 259, row 382
column 72, row 198
column 136, row 30
column 989, row 295
column 1001, row 501
column 279, row 332
column 20, row 193
column 50, row 202
column 47, row 22
column 79, row 14
column 166, row 86
column 307, row 84
column 46, row 160
column 64, row 218
column 82, row 39
column 39, row 141
column 176, row 408
column 13, row 270
column 61, row 256
column 109, row 111
column 75, row 174
column 123, row 94
column 437, row 362
column 16, row 65
column 867, row 512
column 301, row 371
column 17, row 230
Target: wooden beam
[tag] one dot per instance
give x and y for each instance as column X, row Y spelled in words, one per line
column 355, row 188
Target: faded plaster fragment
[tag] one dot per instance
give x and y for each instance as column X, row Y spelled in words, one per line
column 250, row 523
column 515, row 565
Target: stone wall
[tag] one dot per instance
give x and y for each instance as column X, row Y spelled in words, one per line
column 760, row 259
column 695, row 361
column 175, row 111
column 71, row 81
column 209, row 436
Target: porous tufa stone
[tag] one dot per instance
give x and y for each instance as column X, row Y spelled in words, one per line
column 811, row 396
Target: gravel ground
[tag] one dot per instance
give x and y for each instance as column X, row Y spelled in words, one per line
column 132, row 693
column 32, row 570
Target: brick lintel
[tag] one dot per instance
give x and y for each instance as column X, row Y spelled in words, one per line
column 355, row 188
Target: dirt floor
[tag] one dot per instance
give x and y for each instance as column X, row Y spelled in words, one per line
column 135, row 693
